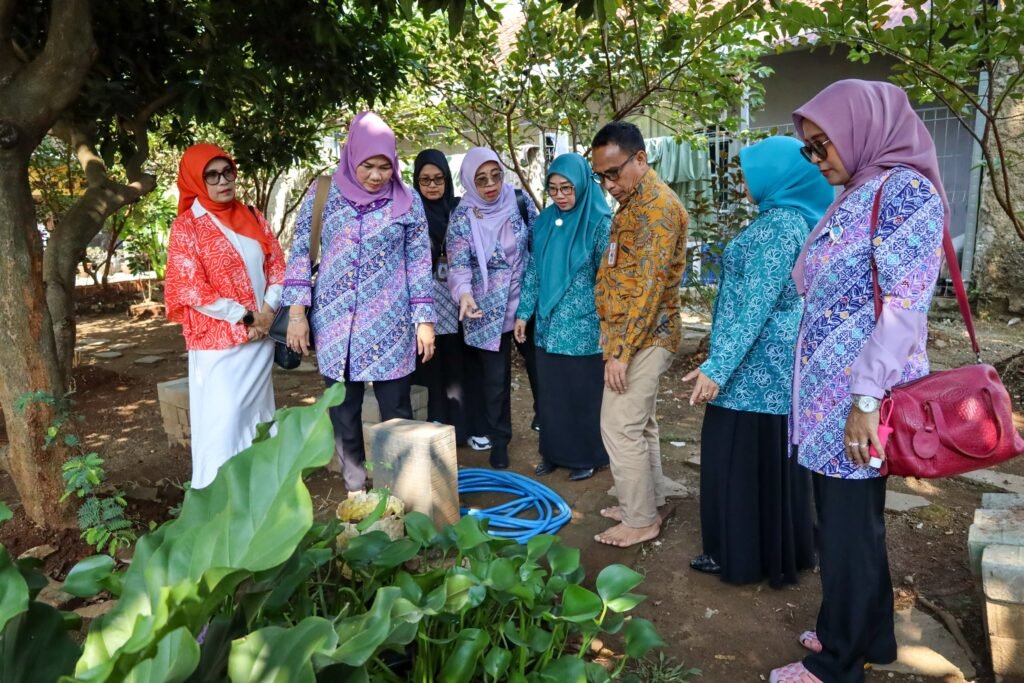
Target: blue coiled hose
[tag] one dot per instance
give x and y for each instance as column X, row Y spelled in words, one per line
column 552, row 512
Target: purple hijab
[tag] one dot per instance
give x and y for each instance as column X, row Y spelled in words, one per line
column 873, row 128
column 369, row 136
column 485, row 218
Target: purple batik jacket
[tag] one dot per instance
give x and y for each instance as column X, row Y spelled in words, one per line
column 504, row 275
column 373, row 287
column 840, row 349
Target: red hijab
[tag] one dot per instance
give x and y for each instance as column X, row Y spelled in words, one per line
column 191, row 186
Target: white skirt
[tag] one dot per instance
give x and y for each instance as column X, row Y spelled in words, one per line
column 230, row 392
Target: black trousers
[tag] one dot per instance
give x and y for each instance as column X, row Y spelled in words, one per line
column 528, row 350
column 855, row 620
column 392, row 397
column 495, row 388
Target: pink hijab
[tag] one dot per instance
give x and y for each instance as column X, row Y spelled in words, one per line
column 369, row 136
column 873, row 128
column 485, row 219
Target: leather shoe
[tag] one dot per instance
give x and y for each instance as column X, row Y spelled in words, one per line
column 705, row 564
column 499, row 458
column 582, row 473
column 545, row 468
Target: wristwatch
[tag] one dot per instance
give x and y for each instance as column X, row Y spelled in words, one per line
column 866, row 404
column 249, row 318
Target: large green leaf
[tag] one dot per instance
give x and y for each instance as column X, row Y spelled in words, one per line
column 250, row 519
column 616, row 580
column 641, row 637
column 461, row 663
column 281, row 655
column 579, row 604
column 35, row 647
column 87, row 578
column 13, row 589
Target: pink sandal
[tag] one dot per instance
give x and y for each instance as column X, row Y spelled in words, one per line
column 809, row 639
column 793, row 673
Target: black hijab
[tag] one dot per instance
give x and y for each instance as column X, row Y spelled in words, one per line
column 438, row 210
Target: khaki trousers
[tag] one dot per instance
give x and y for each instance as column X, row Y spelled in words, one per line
column 630, row 433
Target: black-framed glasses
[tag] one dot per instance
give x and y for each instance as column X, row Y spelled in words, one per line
column 212, row 177
column 818, row 148
column 427, row 182
column 565, row 190
column 612, row 174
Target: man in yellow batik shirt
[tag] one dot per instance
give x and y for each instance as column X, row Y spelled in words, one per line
column 637, row 296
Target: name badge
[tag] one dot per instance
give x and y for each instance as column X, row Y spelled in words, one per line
column 613, row 253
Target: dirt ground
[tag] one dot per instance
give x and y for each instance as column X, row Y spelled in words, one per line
column 731, row 633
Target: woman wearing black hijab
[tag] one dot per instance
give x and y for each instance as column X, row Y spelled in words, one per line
column 443, row 376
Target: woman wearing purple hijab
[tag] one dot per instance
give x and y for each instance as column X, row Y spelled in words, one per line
column 373, row 296
column 487, row 251
column 865, row 137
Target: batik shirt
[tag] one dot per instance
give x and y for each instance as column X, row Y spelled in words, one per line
column 840, row 349
column 757, row 313
column 572, row 328
column 637, row 289
column 373, row 287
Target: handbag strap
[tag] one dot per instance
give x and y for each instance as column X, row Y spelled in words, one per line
column 323, row 188
column 951, row 263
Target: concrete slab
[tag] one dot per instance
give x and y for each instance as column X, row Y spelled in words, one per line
column 108, row 355
column 149, row 360
column 993, row 527
column 904, row 502
column 1011, row 483
column 1002, row 501
column 926, row 648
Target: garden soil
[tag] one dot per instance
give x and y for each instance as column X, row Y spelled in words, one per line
column 730, row 633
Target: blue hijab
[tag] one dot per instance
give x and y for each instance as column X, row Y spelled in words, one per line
column 780, row 178
column 564, row 241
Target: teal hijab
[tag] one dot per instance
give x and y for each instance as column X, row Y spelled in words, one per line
column 779, row 177
column 564, row 241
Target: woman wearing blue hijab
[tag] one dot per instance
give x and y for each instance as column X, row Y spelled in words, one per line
column 754, row 499
column 569, row 240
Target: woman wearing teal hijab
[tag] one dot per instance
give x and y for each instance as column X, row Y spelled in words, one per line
column 754, row 498
column 570, row 237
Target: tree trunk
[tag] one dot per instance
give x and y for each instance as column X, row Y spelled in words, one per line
column 28, row 354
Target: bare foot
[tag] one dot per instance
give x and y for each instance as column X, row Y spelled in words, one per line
column 622, row 536
column 615, row 513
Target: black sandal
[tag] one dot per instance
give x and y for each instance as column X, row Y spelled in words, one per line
column 705, row 564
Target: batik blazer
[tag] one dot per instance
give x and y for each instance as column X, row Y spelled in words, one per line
column 203, row 266
column 840, row 349
column 373, row 287
column 502, row 276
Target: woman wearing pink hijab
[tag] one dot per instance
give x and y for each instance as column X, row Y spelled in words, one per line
column 373, row 296
column 487, row 252
column 865, row 137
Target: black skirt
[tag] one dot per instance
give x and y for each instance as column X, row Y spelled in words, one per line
column 755, row 500
column 570, row 410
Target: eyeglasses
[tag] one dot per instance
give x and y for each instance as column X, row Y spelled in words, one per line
column 818, row 148
column 564, row 190
column 486, row 181
column 212, row 177
column 436, row 180
column 612, row 174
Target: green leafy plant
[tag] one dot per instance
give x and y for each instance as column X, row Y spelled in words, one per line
column 101, row 518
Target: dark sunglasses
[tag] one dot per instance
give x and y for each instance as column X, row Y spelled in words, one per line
column 214, row 177
column 818, row 148
column 612, row 174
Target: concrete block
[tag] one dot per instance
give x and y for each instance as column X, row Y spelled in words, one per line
column 1002, row 573
column 417, row 462
column 1011, row 483
column 1007, row 659
column 993, row 527
column 1002, row 501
